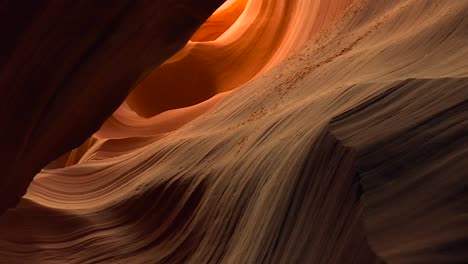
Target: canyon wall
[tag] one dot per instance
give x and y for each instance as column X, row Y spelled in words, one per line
column 55, row 78
column 344, row 141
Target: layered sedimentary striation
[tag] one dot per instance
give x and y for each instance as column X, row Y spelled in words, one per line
column 264, row 34
column 349, row 149
column 56, row 85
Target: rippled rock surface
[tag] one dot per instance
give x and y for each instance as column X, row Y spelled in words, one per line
column 282, row 132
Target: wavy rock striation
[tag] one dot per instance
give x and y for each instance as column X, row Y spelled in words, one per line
column 55, row 80
column 351, row 150
column 411, row 167
column 264, row 34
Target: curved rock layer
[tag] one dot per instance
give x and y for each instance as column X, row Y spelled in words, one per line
column 221, row 20
column 56, row 84
column 352, row 150
column 263, row 35
column 280, row 26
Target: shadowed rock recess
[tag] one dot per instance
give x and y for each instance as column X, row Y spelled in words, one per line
column 244, row 131
column 56, row 80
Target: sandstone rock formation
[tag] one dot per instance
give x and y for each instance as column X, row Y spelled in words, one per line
column 55, row 78
column 302, row 132
column 264, row 34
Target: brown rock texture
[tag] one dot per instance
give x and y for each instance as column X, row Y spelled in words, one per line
column 284, row 131
column 56, row 81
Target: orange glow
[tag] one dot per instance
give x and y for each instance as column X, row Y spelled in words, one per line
column 220, row 21
column 264, row 34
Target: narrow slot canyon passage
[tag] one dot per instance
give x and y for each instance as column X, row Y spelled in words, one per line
column 237, row 131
